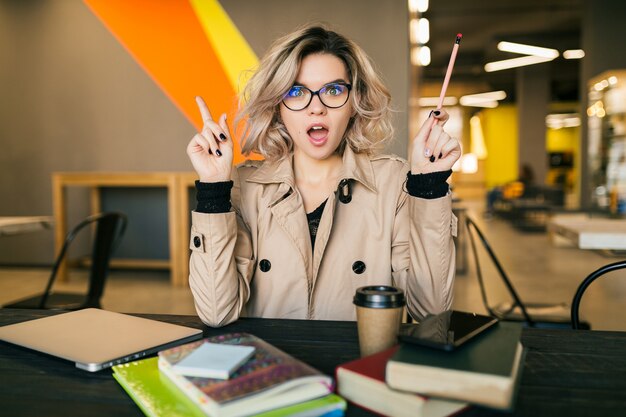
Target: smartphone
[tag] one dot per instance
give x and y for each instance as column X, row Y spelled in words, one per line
column 447, row 330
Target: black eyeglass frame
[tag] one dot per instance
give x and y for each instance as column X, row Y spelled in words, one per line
column 317, row 93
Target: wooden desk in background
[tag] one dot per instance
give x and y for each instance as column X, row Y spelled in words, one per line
column 590, row 232
column 177, row 185
column 15, row 225
column 566, row 372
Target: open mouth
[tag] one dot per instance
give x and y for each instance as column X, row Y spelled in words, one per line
column 318, row 133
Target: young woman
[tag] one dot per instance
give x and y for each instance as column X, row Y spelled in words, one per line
column 295, row 235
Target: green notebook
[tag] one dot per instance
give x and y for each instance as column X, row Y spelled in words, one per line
column 157, row 396
column 152, row 392
column 483, row 371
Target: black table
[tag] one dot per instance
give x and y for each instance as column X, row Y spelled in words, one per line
column 566, row 372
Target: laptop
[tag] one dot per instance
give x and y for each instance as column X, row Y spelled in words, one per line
column 97, row 339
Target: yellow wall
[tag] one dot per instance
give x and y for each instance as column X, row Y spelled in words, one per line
column 501, row 139
column 500, row 131
column 562, row 140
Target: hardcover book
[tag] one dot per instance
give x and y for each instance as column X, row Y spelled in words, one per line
column 484, row 371
column 157, row 396
column 270, row 379
column 362, row 382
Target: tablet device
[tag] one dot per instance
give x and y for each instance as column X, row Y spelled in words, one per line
column 95, row 339
column 447, row 330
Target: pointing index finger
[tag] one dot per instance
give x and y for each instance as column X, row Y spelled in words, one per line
column 204, row 110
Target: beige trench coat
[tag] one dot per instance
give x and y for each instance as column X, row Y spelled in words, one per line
column 257, row 261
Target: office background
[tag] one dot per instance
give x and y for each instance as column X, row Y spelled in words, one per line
column 75, row 99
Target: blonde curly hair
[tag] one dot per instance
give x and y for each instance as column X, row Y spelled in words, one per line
column 264, row 133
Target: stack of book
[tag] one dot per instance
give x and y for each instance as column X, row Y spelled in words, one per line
column 264, row 381
column 411, row 380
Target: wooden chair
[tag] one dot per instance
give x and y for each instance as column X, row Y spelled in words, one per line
column 109, row 229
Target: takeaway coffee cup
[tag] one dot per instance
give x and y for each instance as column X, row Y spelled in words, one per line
column 378, row 314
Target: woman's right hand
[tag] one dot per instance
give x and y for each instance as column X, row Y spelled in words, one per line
column 211, row 151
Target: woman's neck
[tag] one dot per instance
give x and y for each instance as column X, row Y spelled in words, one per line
column 314, row 171
column 315, row 179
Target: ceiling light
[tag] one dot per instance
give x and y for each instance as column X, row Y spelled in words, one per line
column 476, row 103
column 520, row 48
column 420, row 56
column 573, row 54
column 490, row 95
column 601, row 85
column 597, row 109
column 558, row 121
column 418, row 6
column 419, row 31
column 489, row 99
column 423, row 31
column 434, row 101
column 515, row 62
column 571, row 122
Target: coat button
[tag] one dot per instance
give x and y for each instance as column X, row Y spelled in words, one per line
column 196, row 241
column 265, row 265
column 358, row 267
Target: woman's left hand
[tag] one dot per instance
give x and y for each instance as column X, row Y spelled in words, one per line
column 433, row 149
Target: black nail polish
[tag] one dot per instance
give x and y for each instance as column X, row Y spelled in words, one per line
column 437, row 112
column 432, row 158
column 223, row 137
column 430, row 114
column 440, row 155
column 218, row 152
column 210, row 152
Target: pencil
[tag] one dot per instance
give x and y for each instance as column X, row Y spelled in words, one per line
column 446, row 80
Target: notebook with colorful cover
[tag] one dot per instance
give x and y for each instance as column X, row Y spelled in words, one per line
column 270, row 379
column 362, row 382
column 157, row 396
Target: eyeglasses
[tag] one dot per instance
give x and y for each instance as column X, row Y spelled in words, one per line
column 333, row 96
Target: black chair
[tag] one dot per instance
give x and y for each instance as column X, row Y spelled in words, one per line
column 109, row 229
column 576, row 324
column 541, row 315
